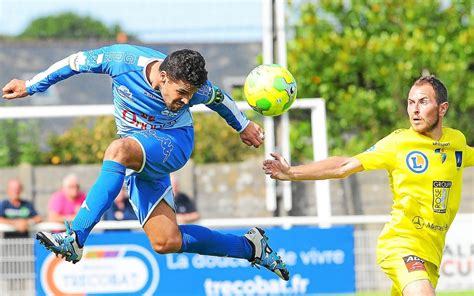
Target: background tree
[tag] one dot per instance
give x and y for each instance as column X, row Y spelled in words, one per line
column 362, row 56
column 84, row 142
column 70, row 26
column 19, row 143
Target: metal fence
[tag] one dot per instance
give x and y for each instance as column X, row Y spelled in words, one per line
column 17, row 261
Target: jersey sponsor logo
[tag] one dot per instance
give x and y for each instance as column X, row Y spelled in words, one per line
column 414, row 263
column 169, row 113
column 442, row 144
column 124, row 92
column 436, row 227
column 417, row 162
column 441, row 195
column 153, row 96
column 458, row 155
column 441, row 153
column 418, row 222
column 130, row 118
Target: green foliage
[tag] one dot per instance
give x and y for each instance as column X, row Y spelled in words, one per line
column 19, row 143
column 69, row 26
column 215, row 141
column 363, row 56
column 82, row 143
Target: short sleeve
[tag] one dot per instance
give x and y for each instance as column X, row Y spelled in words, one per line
column 469, row 156
column 380, row 156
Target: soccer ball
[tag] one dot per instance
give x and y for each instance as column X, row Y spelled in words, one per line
column 270, row 89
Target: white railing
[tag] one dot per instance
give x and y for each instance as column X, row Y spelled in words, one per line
column 318, row 129
column 285, row 222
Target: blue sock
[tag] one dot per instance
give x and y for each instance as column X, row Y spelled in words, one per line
column 204, row 241
column 99, row 199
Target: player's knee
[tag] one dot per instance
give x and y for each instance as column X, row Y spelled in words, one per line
column 116, row 150
column 419, row 287
column 166, row 245
column 125, row 152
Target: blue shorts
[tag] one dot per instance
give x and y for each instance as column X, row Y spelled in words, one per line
column 164, row 151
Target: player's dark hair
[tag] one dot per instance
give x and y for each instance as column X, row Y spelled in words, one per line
column 185, row 65
column 440, row 90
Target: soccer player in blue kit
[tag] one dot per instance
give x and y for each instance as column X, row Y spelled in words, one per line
column 152, row 94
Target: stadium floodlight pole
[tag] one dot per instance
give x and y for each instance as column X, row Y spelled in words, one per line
column 267, row 48
column 281, row 55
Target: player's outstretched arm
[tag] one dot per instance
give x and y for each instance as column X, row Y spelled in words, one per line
column 252, row 135
column 331, row 168
column 14, row 89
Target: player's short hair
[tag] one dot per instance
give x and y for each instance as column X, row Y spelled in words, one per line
column 440, row 90
column 185, row 65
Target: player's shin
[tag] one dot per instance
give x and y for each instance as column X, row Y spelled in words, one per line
column 99, row 199
column 204, row 241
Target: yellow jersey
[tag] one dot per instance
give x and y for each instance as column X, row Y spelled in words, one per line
column 426, row 181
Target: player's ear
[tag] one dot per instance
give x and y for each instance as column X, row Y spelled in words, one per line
column 163, row 76
column 443, row 108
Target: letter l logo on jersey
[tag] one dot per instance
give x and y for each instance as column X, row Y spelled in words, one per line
column 417, row 162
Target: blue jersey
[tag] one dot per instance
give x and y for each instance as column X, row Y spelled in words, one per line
column 137, row 105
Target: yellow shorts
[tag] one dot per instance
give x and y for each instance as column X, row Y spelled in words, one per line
column 404, row 269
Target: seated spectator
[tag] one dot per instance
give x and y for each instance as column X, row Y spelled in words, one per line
column 17, row 212
column 121, row 209
column 186, row 211
column 65, row 203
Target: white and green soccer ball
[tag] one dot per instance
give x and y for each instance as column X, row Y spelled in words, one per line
column 270, row 89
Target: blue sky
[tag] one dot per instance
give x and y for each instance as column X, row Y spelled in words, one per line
column 150, row 20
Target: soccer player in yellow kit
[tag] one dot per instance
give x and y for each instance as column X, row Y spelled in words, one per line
column 425, row 165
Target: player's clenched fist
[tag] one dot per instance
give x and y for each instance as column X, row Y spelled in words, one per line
column 14, row 89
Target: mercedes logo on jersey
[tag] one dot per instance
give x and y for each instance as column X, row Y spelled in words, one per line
column 418, row 222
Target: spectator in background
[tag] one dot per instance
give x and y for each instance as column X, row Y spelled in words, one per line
column 17, row 212
column 186, row 211
column 65, row 203
column 121, row 209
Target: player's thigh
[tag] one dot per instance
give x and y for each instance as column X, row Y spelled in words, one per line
column 406, row 269
column 153, row 203
column 146, row 195
column 419, row 287
column 162, row 229
column 164, row 151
